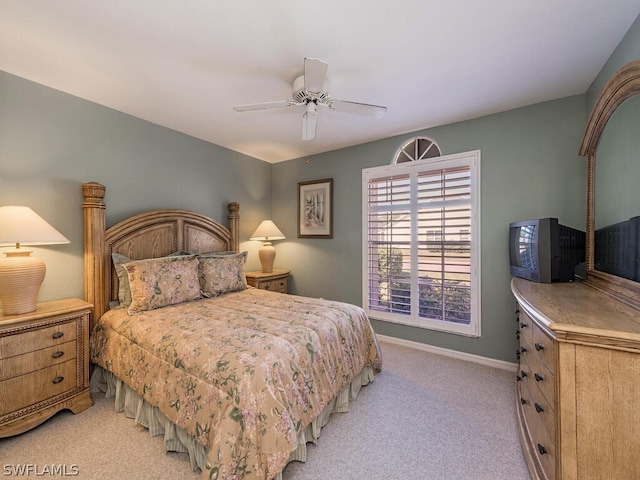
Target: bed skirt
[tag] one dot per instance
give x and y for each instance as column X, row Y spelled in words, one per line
column 177, row 440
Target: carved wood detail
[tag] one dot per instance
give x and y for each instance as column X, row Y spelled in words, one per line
column 146, row 235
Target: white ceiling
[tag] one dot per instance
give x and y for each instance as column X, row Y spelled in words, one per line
column 184, row 64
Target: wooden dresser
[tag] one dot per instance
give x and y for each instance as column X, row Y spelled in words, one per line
column 578, row 382
column 276, row 281
column 44, row 364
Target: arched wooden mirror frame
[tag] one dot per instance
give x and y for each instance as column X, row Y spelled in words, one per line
column 622, row 85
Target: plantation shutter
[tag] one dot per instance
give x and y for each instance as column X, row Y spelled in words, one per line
column 389, row 240
column 419, row 229
column 444, row 244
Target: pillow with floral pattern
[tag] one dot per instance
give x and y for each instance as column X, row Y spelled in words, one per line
column 158, row 282
column 221, row 273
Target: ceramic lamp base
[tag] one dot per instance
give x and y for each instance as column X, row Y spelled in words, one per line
column 20, row 278
column 267, row 255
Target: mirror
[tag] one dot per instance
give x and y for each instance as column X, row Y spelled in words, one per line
column 617, row 196
column 612, row 146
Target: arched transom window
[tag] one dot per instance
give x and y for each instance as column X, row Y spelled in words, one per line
column 417, row 148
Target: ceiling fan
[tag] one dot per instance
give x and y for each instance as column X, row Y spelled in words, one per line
column 310, row 90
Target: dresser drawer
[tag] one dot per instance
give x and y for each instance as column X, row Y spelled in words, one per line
column 277, row 285
column 25, row 390
column 537, row 374
column 30, row 362
column 37, row 339
column 541, row 411
column 544, row 347
column 542, row 440
column 276, row 281
column 525, row 326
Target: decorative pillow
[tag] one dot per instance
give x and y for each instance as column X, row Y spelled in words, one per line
column 124, row 291
column 221, row 273
column 158, row 282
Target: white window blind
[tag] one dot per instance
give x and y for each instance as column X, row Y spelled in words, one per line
column 421, row 243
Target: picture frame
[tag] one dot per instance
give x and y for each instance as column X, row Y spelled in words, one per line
column 315, row 209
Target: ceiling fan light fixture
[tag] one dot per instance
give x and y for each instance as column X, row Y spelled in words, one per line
column 309, row 122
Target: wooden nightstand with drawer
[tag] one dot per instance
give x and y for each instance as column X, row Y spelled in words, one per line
column 44, row 364
column 276, row 281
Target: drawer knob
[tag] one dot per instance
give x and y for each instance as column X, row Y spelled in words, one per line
column 518, row 378
column 539, row 346
column 523, row 373
column 57, row 354
column 523, row 325
column 542, row 449
column 58, row 335
column 539, row 408
column 266, row 287
column 538, row 377
column 523, row 401
column 522, row 349
column 58, row 379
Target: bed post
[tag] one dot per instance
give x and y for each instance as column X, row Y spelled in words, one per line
column 93, row 209
column 234, row 221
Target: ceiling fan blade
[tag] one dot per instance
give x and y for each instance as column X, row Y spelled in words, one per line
column 264, row 106
column 356, row 108
column 315, row 75
column 309, row 124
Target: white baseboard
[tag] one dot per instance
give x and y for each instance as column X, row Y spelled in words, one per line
column 490, row 362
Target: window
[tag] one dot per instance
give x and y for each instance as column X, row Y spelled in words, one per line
column 415, row 149
column 421, row 243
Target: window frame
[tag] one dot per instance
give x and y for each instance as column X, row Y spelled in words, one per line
column 466, row 159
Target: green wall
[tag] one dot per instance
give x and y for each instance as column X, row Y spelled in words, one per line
column 51, row 143
column 530, row 168
column 627, row 50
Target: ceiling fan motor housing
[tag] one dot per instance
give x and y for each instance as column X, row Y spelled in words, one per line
column 311, row 90
column 300, row 95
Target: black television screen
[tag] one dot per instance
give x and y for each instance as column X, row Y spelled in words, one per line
column 542, row 250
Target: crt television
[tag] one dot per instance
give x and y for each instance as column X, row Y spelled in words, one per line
column 544, row 251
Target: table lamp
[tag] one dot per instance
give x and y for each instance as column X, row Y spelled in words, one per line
column 266, row 232
column 21, row 274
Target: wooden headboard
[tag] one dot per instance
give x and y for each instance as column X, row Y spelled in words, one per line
column 147, row 235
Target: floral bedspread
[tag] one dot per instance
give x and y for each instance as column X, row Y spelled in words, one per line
column 243, row 373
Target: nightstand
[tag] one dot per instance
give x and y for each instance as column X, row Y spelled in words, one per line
column 276, row 281
column 44, row 364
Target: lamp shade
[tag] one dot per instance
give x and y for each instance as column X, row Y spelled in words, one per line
column 21, row 225
column 267, row 231
column 21, row 274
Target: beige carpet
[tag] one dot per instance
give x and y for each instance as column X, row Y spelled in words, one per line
column 424, row 417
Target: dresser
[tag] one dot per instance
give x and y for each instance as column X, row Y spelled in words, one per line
column 44, row 364
column 276, row 281
column 578, row 382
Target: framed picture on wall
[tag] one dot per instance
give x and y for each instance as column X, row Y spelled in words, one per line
column 315, row 209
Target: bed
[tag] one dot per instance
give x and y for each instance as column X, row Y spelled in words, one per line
column 239, row 378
